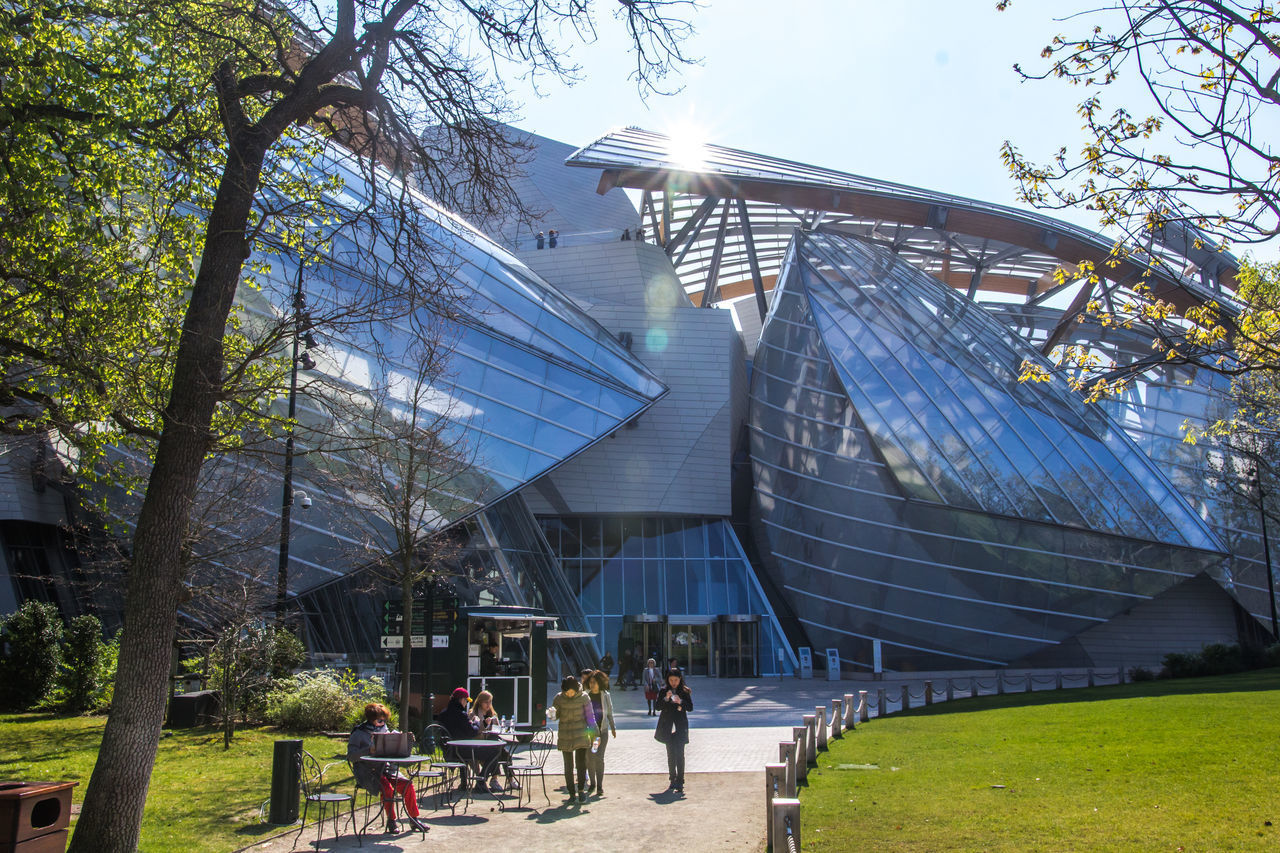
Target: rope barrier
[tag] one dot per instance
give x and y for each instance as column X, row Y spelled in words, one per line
column 796, row 755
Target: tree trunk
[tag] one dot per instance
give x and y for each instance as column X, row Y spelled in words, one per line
column 111, row 817
column 406, row 653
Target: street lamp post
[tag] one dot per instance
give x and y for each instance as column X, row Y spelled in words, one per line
column 1256, row 477
column 286, row 501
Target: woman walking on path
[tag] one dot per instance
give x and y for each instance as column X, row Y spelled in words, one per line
column 577, row 728
column 597, row 687
column 675, row 701
column 652, row 682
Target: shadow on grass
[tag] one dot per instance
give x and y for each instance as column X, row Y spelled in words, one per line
column 1243, row 682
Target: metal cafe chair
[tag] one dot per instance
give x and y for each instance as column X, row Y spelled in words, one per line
column 434, row 742
column 531, row 761
column 312, row 779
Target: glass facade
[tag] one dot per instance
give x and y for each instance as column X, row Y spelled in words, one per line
column 1155, row 409
column 692, row 571
column 530, row 379
column 910, row 490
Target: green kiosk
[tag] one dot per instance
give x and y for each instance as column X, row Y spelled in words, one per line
column 502, row 649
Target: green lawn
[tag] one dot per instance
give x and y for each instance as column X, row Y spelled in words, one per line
column 1187, row 765
column 201, row 797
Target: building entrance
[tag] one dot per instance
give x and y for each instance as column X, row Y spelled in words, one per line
column 646, row 636
column 737, row 644
column 690, row 645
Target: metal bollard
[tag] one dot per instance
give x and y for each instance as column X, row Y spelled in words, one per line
column 787, row 756
column 820, row 717
column 837, row 717
column 928, row 693
column 775, row 785
column 786, row 821
column 880, row 712
column 801, row 735
column 864, row 710
column 906, row 698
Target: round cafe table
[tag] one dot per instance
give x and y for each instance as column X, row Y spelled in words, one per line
column 409, row 761
column 484, row 754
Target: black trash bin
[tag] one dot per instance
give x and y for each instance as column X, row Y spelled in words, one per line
column 187, row 710
column 286, row 782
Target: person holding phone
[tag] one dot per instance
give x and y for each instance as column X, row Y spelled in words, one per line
column 597, row 690
column 674, row 702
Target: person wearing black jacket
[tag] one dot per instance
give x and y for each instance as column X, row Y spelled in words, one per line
column 674, row 702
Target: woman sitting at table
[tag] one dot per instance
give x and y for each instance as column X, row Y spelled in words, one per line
column 482, row 717
column 485, row 721
column 378, row 777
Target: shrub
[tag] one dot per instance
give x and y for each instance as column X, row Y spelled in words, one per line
column 287, row 654
column 321, row 700
column 29, row 668
column 1141, row 673
column 81, row 664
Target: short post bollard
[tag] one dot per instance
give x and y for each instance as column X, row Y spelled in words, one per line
column 1028, row 690
column 811, row 745
column 951, row 690
column 850, row 712
column 775, row 785
column 787, row 756
column 928, row 693
column 820, row 717
column 786, row 822
column 906, row 697
column 880, row 712
column 1090, row 676
column 1059, row 684
column 999, row 683
column 801, row 735
column 837, row 717
column 864, row 710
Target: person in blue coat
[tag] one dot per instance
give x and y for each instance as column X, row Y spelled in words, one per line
column 674, row 702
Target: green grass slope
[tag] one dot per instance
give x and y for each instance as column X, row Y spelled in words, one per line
column 1189, row 765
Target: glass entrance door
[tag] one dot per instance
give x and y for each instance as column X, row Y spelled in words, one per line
column 690, row 645
column 737, row 641
column 646, row 636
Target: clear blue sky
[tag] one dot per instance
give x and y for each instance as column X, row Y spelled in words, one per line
column 916, row 91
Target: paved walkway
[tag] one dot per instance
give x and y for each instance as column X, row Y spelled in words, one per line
column 735, row 729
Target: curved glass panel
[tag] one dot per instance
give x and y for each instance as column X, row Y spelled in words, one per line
column 907, row 494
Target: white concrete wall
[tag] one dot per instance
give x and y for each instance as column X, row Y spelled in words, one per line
column 19, row 499
column 676, row 460
column 1182, row 619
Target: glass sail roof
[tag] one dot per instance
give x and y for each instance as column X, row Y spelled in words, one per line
column 936, row 380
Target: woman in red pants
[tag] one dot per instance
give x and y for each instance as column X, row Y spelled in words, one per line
column 379, row 778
